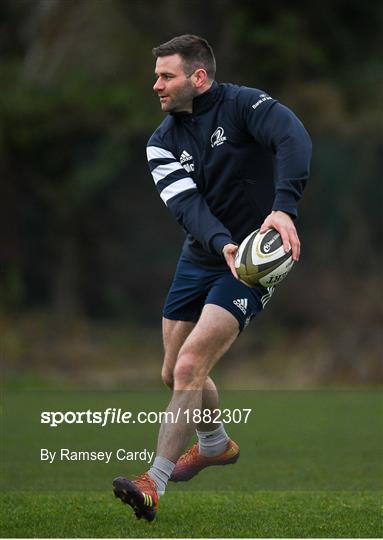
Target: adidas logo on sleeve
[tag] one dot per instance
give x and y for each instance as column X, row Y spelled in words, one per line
column 185, row 159
column 185, row 156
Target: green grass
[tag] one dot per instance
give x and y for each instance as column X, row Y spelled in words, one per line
column 206, row 514
column 311, row 466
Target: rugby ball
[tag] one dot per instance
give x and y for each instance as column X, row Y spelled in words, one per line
column 261, row 259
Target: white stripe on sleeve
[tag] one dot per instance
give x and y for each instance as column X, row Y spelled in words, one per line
column 155, row 152
column 176, row 188
column 164, row 170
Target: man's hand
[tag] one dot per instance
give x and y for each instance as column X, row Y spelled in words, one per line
column 282, row 222
column 229, row 251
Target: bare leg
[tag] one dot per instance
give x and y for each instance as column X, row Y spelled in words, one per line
column 212, row 336
column 199, row 348
column 174, row 336
column 210, row 400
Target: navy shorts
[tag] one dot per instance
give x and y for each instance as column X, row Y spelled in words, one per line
column 193, row 287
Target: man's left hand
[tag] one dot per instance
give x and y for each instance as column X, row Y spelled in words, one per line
column 282, row 222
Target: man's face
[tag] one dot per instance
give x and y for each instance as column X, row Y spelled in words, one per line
column 174, row 88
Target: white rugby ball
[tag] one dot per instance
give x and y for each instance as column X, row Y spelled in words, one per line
column 261, row 259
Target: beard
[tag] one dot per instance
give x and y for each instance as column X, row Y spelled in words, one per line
column 181, row 99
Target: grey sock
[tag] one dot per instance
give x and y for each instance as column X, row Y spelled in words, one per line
column 160, row 472
column 212, row 443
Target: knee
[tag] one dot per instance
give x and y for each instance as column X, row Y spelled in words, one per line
column 189, row 371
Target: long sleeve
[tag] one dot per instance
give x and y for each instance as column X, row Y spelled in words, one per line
column 180, row 194
column 279, row 129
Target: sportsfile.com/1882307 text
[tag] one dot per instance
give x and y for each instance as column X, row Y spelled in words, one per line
column 113, row 415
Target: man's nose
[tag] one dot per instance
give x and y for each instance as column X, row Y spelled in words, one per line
column 158, row 85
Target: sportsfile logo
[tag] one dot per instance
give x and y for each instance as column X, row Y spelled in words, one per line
column 218, row 137
column 241, row 303
column 113, row 415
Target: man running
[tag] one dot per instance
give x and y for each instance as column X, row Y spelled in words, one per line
column 226, row 160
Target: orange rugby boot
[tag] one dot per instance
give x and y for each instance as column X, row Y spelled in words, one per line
column 141, row 494
column 192, row 462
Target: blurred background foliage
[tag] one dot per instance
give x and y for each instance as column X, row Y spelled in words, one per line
column 87, row 249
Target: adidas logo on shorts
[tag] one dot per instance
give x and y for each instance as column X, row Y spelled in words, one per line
column 241, row 303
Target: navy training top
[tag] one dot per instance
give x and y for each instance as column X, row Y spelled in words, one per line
column 222, row 168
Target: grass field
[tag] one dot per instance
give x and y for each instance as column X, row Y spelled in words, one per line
column 197, row 514
column 311, row 466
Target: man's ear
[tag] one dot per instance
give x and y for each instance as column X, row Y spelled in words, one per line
column 200, row 78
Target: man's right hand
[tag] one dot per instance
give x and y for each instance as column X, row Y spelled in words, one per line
column 229, row 252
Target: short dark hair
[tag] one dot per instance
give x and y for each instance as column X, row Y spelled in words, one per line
column 194, row 51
